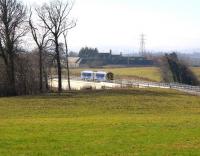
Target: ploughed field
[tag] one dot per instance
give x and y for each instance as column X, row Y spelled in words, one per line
column 112, row 122
column 139, row 73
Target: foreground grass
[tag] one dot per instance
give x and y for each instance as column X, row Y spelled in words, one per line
column 124, row 122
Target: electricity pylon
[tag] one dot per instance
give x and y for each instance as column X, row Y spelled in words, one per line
column 142, row 51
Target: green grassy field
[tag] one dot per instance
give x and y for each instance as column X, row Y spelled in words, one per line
column 141, row 73
column 105, row 123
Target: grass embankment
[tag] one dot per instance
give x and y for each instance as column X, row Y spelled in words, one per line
column 127, row 122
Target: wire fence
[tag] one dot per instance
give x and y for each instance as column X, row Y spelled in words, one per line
column 145, row 84
column 123, row 83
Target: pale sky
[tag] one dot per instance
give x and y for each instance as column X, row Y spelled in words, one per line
column 117, row 24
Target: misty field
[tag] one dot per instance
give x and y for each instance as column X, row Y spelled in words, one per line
column 119, row 122
column 139, row 73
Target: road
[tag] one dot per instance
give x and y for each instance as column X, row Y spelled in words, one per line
column 79, row 84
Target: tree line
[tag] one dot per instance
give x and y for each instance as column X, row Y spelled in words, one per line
column 24, row 72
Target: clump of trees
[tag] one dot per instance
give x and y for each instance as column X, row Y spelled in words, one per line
column 12, row 29
column 22, row 71
column 175, row 70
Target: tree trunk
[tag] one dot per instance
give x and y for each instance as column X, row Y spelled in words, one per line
column 58, row 66
column 68, row 73
column 41, row 68
column 67, row 61
column 45, row 74
column 46, row 81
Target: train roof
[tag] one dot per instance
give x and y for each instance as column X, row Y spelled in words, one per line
column 87, row 71
column 101, row 72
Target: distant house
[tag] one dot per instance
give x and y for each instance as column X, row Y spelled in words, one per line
column 104, row 55
column 74, row 62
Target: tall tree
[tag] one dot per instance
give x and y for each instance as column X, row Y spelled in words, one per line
column 55, row 16
column 12, row 28
column 39, row 34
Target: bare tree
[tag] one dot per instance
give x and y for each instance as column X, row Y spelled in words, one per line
column 39, row 35
column 12, row 28
column 55, row 16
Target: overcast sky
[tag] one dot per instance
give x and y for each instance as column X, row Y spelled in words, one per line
column 117, row 24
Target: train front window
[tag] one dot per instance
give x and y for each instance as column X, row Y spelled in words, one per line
column 100, row 76
column 87, row 74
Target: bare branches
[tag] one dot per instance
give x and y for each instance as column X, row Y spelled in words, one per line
column 55, row 16
column 12, row 19
column 33, row 29
column 68, row 26
column 39, row 34
column 12, row 24
column 44, row 13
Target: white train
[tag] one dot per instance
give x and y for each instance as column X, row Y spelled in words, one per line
column 87, row 75
column 100, row 76
column 94, row 76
